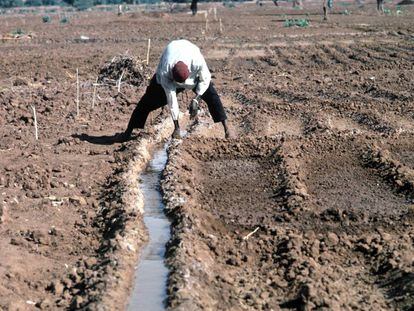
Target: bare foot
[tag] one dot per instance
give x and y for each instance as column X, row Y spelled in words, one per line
column 229, row 134
column 122, row 137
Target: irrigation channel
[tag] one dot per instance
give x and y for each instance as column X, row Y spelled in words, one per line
column 150, row 289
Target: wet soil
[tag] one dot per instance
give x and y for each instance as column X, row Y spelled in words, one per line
column 309, row 207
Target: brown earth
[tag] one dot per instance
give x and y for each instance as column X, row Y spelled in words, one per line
column 321, row 172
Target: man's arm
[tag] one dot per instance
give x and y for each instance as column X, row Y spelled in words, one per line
column 204, row 76
column 170, row 93
column 172, row 103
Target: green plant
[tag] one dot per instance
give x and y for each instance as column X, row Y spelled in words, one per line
column 387, row 11
column 17, row 32
column 46, row 19
column 83, row 5
column 346, row 12
column 64, row 20
column 296, row 22
column 398, row 10
column 229, row 4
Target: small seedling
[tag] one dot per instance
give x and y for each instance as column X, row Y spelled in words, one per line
column 398, row 10
column 346, row 12
column 296, row 22
column 46, row 19
column 18, row 32
column 387, row 11
column 64, row 20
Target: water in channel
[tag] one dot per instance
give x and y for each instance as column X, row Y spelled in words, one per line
column 150, row 289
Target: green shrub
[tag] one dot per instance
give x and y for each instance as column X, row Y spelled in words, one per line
column 18, row 31
column 229, row 4
column 46, row 19
column 83, row 5
column 64, row 20
column 387, row 11
column 296, row 22
column 398, row 10
column 33, row 3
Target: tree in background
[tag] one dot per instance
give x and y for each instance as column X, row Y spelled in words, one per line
column 33, row 3
column 80, row 4
column 10, row 3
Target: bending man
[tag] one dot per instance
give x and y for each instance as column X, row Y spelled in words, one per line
column 182, row 66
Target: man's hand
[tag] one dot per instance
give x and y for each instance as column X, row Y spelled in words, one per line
column 193, row 109
column 177, row 133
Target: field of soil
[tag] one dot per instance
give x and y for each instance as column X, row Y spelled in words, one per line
column 311, row 206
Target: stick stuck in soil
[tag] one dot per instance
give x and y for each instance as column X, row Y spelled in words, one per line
column 94, row 93
column 35, row 122
column 246, row 237
column 120, row 81
column 77, row 91
column 148, row 50
column 221, row 26
column 206, row 17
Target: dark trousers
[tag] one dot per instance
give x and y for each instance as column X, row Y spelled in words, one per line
column 193, row 6
column 155, row 98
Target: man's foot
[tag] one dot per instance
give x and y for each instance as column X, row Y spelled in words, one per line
column 176, row 134
column 122, row 137
column 229, row 134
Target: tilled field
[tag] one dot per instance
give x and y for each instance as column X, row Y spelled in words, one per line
column 311, row 206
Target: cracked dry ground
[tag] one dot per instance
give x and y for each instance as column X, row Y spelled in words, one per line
column 321, row 173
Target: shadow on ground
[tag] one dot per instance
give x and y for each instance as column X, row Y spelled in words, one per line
column 104, row 139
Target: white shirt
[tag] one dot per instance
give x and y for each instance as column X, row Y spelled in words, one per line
column 200, row 76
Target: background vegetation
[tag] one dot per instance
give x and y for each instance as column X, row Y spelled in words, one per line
column 80, row 4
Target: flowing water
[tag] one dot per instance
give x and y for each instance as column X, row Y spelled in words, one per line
column 150, row 290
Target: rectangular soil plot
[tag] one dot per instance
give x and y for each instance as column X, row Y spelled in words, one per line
column 402, row 150
column 237, row 182
column 337, row 178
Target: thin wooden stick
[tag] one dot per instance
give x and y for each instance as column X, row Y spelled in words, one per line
column 77, row 91
column 102, row 84
column 119, row 81
column 35, row 122
column 94, row 93
column 206, row 16
column 215, row 14
column 148, row 50
column 250, row 234
column 221, row 26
